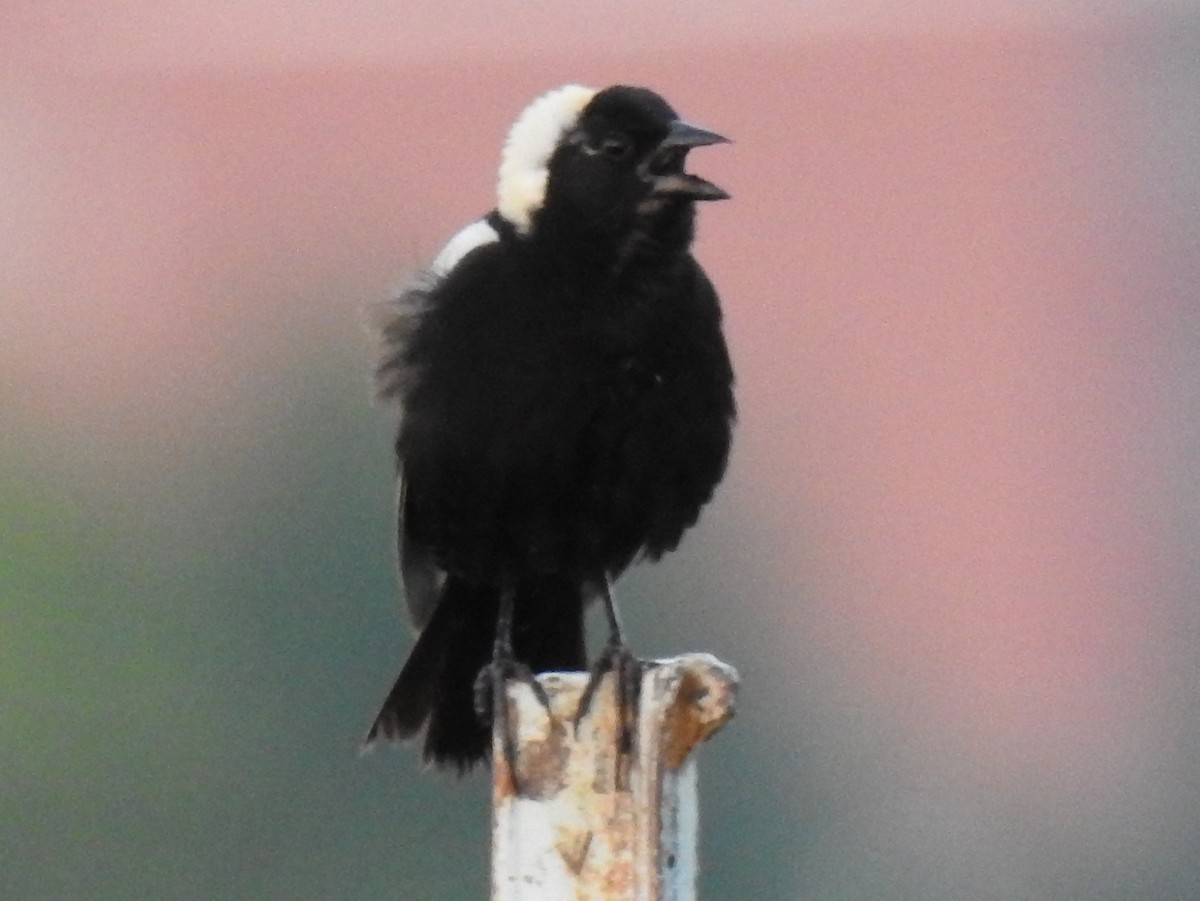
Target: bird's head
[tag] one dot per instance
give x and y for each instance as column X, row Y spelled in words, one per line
column 599, row 161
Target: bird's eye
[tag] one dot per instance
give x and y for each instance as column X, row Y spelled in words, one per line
column 616, row 147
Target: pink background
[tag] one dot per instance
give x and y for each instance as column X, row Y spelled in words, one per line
column 955, row 553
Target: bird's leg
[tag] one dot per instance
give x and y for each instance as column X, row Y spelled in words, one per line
column 490, row 703
column 626, row 669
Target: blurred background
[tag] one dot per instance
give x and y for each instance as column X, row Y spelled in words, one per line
column 955, row 557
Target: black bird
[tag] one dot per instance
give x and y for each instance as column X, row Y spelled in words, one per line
column 565, row 400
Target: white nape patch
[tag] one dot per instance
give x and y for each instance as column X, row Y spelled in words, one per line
column 467, row 239
column 527, row 152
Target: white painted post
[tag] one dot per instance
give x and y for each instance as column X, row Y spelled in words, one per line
column 588, row 823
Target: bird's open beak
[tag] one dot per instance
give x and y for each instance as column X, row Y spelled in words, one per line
column 664, row 167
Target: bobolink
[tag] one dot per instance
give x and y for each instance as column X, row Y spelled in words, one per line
column 566, row 404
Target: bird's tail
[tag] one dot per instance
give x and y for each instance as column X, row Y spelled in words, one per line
column 436, row 687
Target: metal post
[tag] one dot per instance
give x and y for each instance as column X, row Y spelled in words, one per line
column 588, row 822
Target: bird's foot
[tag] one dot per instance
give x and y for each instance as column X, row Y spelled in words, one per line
column 627, row 670
column 491, row 705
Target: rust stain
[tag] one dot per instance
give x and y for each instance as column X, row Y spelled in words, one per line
column 503, row 786
column 572, row 845
column 702, row 705
column 543, row 765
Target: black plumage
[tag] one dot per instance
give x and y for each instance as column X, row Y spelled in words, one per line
column 566, row 400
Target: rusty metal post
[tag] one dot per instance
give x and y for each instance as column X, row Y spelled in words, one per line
column 593, row 825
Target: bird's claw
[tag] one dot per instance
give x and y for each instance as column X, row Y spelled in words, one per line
column 492, row 708
column 627, row 671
